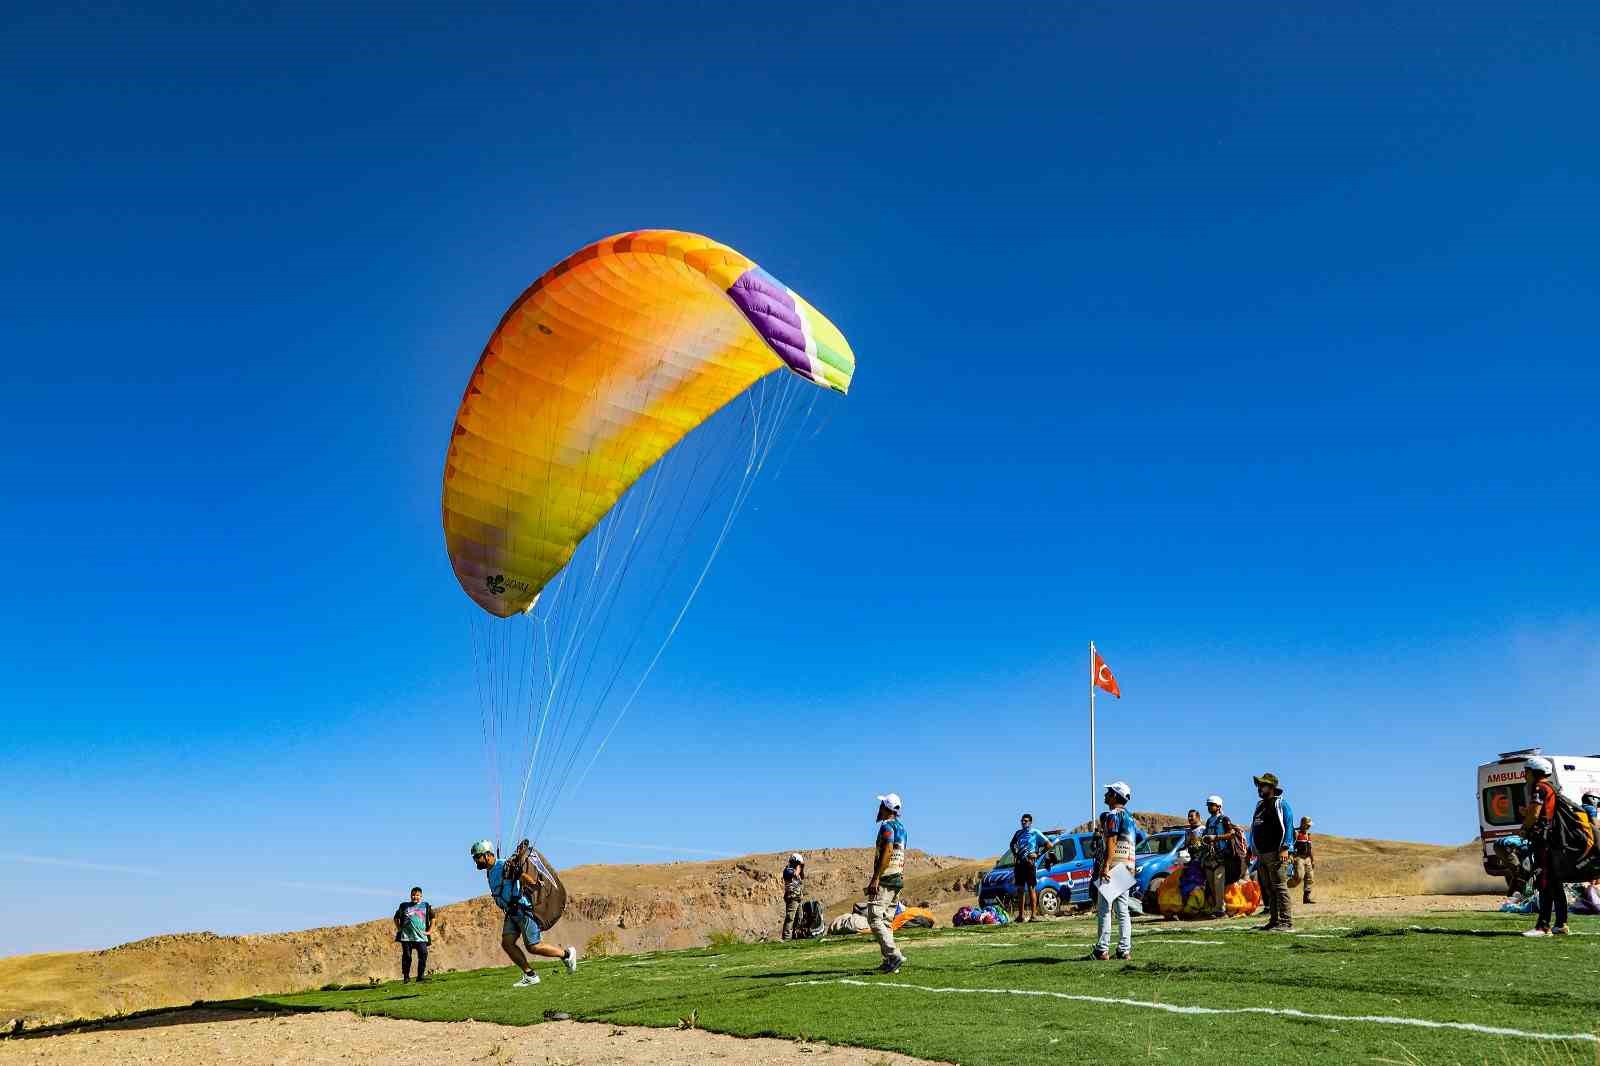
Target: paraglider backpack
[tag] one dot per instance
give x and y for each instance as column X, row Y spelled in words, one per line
column 550, row 897
column 1570, row 836
column 810, row 923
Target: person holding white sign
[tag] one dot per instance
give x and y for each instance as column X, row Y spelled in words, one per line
column 1118, row 835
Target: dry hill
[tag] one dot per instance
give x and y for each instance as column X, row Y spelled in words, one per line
column 613, row 908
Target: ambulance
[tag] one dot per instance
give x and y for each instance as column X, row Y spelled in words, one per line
column 1502, row 795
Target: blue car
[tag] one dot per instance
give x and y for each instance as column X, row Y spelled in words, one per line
column 1065, row 871
column 1155, row 858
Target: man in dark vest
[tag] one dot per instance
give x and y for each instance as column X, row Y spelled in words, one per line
column 1271, row 834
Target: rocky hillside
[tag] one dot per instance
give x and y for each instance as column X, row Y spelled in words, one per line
column 611, row 909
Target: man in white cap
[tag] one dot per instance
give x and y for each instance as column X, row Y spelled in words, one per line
column 1119, row 836
column 512, row 895
column 794, row 889
column 888, row 878
column 1218, row 835
column 1536, row 819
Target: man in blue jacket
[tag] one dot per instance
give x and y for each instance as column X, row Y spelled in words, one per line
column 1271, row 835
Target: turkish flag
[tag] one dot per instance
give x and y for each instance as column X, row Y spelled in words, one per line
column 1103, row 677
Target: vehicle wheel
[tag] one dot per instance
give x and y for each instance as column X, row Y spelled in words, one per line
column 1049, row 902
column 1152, row 902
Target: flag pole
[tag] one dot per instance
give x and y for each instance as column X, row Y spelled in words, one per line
column 1094, row 791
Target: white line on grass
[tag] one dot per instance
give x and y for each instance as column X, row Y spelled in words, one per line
column 1503, row 932
column 1175, row 940
column 1174, row 1008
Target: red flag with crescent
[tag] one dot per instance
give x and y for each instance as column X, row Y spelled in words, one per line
column 1103, row 677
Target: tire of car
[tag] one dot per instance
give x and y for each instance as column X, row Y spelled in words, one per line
column 1049, row 902
column 1151, row 903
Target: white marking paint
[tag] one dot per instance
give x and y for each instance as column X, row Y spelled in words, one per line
column 1174, row 1008
column 1447, row 929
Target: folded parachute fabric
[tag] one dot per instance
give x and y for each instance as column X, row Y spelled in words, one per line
column 915, row 917
column 846, row 924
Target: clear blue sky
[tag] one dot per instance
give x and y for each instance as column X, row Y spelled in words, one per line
column 1256, row 345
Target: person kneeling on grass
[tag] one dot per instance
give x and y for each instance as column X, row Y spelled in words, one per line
column 413, row 929
column 1118, row 836
column 513, row 895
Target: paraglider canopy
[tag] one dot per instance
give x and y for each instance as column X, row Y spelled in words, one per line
column 595, row 372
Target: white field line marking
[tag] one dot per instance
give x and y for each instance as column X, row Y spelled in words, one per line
column 1174, row 1008
column 1447, row 929
column 1163, row 940
column 1251, row 929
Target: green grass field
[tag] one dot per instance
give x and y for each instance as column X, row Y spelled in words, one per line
column 1369, row 991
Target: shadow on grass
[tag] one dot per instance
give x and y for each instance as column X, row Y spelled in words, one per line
column 1429, row 930
column 198, row 1013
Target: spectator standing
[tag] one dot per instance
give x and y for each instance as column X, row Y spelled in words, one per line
column 794, row 890
column 1119, row 837
column 1271, row 833
column 413, row 930
column 1304, row 859
column 1215, row 859
column 1027, row 844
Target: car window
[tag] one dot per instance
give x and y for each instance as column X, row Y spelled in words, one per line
column 1005, row 861
column 1066, row 850
column 1158, row 843
column 1502, row 804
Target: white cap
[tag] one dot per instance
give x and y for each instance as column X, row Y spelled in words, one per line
column 1121, row 788
column 1540, row 765
column 891, row 801
column 1213, row 799
column 482, row 847
column 797, row 857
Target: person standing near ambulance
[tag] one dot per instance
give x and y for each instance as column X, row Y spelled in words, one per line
column 888, row 878
column 1536, row 820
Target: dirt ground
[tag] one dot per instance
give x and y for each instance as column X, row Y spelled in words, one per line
column 183, row 1038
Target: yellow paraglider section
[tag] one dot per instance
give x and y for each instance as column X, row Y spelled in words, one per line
column 596, row 371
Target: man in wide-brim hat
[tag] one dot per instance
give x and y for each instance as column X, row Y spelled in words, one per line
column 1271, row 834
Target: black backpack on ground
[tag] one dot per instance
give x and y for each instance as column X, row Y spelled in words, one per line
column 809, row 923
